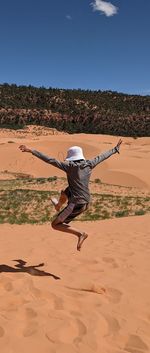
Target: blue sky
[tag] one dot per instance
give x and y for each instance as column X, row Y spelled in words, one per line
column 87, row 44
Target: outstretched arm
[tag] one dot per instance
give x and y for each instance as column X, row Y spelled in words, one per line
column 43, row 157
column 100, row 158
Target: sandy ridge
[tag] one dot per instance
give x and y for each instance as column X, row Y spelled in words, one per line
column 57, row 300
column 101, row 301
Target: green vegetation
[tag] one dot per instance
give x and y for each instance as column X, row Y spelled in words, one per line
column 25, row 181
column 73, row 111
column 19, row 204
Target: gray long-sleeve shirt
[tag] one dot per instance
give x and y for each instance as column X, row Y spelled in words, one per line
column 78, row 173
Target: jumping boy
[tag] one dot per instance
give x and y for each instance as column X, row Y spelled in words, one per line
column 78, row 171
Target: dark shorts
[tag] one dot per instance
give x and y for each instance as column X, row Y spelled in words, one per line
column 70, row 212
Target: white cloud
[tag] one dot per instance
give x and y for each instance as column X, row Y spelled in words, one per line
column 68, row 17
column 105, row 7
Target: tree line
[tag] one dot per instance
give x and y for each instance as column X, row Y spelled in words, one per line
column 74, row 111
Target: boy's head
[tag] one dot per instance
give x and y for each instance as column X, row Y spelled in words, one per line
column 74, row 153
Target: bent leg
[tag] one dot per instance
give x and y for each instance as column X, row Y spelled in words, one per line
column 58, row 203
column 62, row 227
column 65, row 216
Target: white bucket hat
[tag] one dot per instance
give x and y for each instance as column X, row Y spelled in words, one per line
column 74, row 153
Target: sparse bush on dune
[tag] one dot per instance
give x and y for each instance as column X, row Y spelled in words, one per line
column 75, row 111
column 23, row 200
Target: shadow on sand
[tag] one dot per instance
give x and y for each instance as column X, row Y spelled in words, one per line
column 32, row 270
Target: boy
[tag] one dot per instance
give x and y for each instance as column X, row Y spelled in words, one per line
column 78, row 172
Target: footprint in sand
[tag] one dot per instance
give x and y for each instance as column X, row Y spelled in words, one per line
column 58, row 302
column 30, row 313
column 2, row 332
column 89, row 333
column 55, row 302
column 61, row 328
column 111, row 261
column 136, row 345
column 113, row 325
column 75, row 313
column 35, row 291
column 7, row 284
column 30, row 329
column 113, row 295
column 82, row 330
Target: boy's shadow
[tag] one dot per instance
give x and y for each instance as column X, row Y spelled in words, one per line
column 32, row 270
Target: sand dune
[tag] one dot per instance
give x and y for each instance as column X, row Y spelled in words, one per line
column 129, row 169
column 99, row 304
column 55, row 299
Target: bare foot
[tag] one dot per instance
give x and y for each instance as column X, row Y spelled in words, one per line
column 55, row 203
column 81, row 239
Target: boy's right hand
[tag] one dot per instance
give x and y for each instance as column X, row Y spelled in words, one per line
column 117, row 147
column 23, row 148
